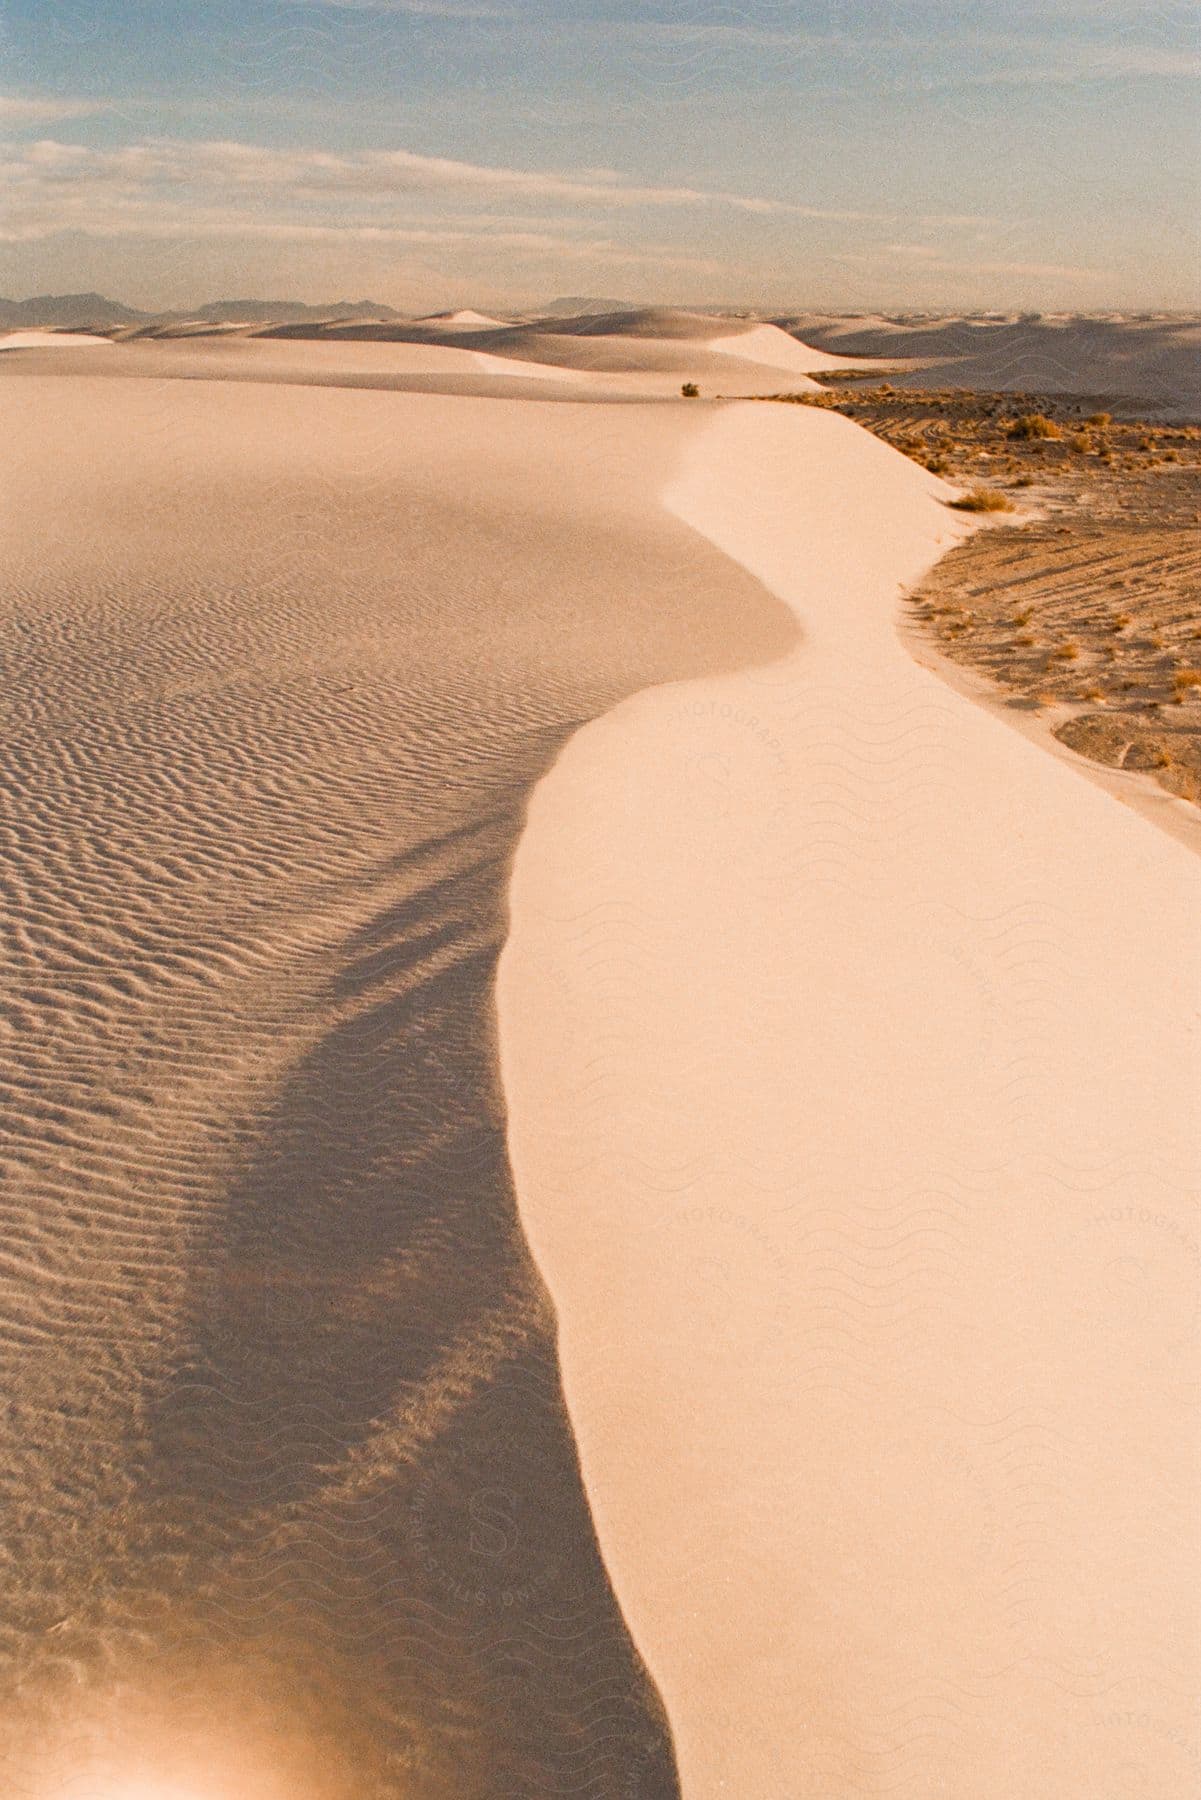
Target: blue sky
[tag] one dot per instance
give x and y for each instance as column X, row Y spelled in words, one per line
column 448, row 152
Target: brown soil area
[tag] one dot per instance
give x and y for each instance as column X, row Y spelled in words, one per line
column 1093, row 608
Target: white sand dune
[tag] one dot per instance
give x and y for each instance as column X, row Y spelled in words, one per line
column 484, row 362
column 464, row 320
column 516, row 367
column 292, row 1509
column 849, row 1053
column 851, row 1049
column 779, row 350
column 41, row 340
column 651, row 351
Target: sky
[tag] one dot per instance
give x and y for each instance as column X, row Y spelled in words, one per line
column 780, row 154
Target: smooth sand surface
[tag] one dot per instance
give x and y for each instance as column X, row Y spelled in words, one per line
column 485, row 364
column 851, row 1049
column 43, row 340
column 776, row 349
column 292, row 1506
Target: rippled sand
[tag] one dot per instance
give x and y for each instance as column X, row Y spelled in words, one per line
column 292, row 1503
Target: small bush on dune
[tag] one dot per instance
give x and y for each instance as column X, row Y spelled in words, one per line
column 1185, row 680
column 690, row 390
column 983, row 500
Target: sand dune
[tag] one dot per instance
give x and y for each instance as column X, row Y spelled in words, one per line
column 652, row 350
column 654, row 322
column 769, row 345
column 849, row 1066
column 463, row 320
column 850, row 1041
column 481, row 363
column 1147, row 366
column 292, row 1501
column 42, row 340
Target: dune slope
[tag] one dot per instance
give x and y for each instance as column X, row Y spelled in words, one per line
column 850, row 1044
column 292, row 1504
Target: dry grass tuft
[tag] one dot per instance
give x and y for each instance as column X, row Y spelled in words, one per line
column 983, row 500
column 1034, row 425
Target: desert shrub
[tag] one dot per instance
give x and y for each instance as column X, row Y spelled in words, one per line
column 690, row 390
column 1185, row 680
column 1034, row 425
column 1067, row 652
column 1101, row 420
column 983, row 500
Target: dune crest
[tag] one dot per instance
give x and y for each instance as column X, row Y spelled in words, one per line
column 851, row 1061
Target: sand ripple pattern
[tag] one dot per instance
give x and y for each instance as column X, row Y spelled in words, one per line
column 291, row 1498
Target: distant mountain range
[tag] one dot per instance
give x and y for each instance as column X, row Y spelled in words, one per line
column 80, row 310
column 69, row 309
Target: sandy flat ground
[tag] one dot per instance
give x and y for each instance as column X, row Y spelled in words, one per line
column 873, row 1232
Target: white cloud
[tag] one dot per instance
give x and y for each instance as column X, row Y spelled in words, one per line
column 309, row 178
column 422, row 9
column 1083, row 64
column 44, row 109
column 930, row 258
column 169, row 191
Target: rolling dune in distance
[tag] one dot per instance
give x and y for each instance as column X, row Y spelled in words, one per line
column 292, row 1499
